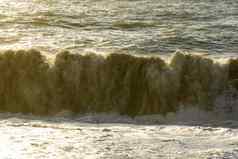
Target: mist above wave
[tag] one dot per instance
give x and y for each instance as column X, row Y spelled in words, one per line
column 119, row 83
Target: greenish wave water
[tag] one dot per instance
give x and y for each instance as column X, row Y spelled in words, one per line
column 119, row 83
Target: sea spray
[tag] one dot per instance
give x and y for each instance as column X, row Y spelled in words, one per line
column 200, row 79
column 118, row 83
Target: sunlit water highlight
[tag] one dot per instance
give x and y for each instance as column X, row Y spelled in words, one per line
column 59, row 137
column 131, row 26
column 154, row 27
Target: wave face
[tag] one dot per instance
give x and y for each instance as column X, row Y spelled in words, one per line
column 116, row 83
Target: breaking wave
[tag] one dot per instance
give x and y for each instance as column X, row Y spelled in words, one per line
column 118, row 83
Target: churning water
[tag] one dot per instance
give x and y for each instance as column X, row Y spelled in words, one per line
column 62, row 138
column 193, row 98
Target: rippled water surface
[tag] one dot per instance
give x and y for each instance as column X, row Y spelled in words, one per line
column 132, row 26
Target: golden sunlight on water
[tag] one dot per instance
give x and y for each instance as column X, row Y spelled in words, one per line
column 62, row 138
column 123, row 74
column 137, row 27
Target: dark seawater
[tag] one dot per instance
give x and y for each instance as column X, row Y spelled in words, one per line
column 119, row 83
column 128, row 26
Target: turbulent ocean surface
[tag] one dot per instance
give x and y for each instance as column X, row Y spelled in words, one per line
column 119, row 79
column 116, row 137
column 131, row 26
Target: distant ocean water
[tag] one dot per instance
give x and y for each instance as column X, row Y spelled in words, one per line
column 127, row 26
